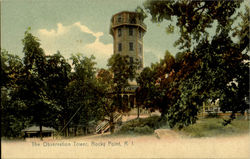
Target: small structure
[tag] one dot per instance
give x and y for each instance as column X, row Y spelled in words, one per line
column 34, row 131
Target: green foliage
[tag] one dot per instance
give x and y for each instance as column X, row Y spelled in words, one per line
column 38, row 89
column 153, row 89
column 11, row 67
column 147, row 91
column 12, row 120
column 193, row 17
column 210, row 127
column 123, row 70
column 141, row 12
column 111, row 83
column 210, row 67
column 140, row 126
column 170, row 29
column 82, row 91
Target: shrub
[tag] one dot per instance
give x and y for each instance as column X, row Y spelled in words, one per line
column 143, row 130
column 213, row 127
column 140, row 126
column 212, row 115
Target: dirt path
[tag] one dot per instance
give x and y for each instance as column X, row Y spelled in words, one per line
column 130, row 147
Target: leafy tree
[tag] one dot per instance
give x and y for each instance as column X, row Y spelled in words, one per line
column 220, row 61
column 158, row 85
column 31, row 88
column 123, row 70
column 11, row 66
column 58, row 77
column 105, row 96
column 82, row 91
column 146, row 93
column 12, row 118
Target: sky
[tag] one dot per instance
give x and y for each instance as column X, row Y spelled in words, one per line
column 72, row 26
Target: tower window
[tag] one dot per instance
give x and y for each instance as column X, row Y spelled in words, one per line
column 139, row 33
column 120, row 47
column 119, row 32
column 131, row 46
column 119, row 18
column 132, row 18
column 131, row 60
column 130, row 31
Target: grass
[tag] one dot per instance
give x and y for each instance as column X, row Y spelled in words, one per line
column 209, row 127
column 141, row 126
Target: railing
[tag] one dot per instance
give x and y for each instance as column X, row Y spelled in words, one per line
column 105, row 125
column 127, row 22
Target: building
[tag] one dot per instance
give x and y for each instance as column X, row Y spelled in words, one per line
column 34, row 131
column 128, row 29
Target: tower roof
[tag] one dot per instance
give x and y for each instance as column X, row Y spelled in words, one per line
column 127, row 18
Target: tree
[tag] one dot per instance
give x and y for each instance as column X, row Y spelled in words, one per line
column 146, row 93
column 151, row 91
column 122, row 70
column 31, row 88
column 105, row 96
column 82, row 91
column 221, row 64
column 58, row 77
column 159, row 84
column 12, row 118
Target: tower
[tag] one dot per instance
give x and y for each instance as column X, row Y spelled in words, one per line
column 128, row 29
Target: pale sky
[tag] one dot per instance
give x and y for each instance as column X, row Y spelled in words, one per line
column 72, row 26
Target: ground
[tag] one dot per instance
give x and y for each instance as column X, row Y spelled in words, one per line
column 162, row 144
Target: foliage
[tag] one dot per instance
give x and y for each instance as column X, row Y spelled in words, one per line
column 123, row 70
column 82, row 91
column 209, row 66
column 57, row 79
column 147, row 93
column 193, row 17
column 210, row 127
column 105, row 85
column 39, row 88
column 11, row 66
column 141, row 13
column 140, row 126
column 159, row 84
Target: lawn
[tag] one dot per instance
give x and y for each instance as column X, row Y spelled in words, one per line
column 209, row 127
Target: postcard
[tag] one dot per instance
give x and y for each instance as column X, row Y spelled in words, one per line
column 124, row 79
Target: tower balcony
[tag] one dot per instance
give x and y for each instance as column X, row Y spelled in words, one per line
column 126, row 18
column 131, row 23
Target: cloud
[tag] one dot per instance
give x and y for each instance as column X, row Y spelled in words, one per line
column 60, row 31
column 99, row 47
column 75, row 38
column 85, row 29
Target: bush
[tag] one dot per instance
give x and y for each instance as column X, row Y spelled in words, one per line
column 209, row 127
column 140, row 126
column 212, row 115
column 143, row 130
